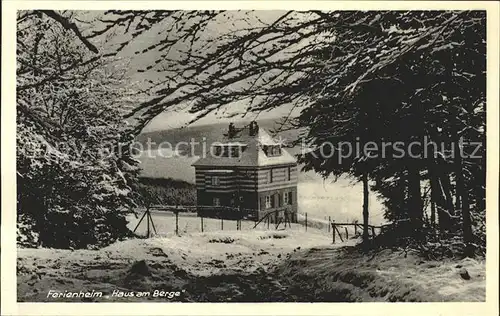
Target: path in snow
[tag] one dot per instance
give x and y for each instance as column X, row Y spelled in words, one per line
column 245, row 266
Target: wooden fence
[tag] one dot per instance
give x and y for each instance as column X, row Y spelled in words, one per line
column 275, row 219
column 225, row 212
column 337, row 228
column 175, row 210
column 373, row 230
column 281, row 216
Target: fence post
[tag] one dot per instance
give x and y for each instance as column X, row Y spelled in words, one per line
column 268, row 221
column 288, row 219
column 338, row 232
column 355, row 228
column 373, row 232
column 333, row 231
column 147, row 219
column 176, row 222
column 346, row 233
column 201, row 224
column 329, row 221
column 306, row 221
column 222, row 223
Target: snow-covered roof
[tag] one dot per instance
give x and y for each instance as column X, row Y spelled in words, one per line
column 232, row 144
column 253, row 156
column 219, row 171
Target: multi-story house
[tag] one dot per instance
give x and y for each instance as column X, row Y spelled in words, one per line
column 247, row 173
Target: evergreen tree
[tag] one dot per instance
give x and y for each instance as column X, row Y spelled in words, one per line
column 74, row 169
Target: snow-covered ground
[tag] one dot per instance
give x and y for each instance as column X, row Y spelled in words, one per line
column 246, row 250
column 246, row 265
column 175, row 263
column 342, row 274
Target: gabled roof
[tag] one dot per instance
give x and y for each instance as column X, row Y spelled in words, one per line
column 252, row 156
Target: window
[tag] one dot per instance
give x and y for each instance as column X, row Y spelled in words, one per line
column 287, row 174
column 290, row 200
column 265, row 149
column 268, row 201
column 216, row 201
column 215, row 181
column 276, row 151
column 232, row 151
column 245, row 175
column 272, row 150
column 228, row 151
column 235, row 151
column 218, row 151
column 269, row 176
column 285, row 198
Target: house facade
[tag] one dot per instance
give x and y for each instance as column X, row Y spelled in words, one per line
column 247, row 174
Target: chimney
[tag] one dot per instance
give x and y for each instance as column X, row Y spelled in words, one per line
column 231, row 132
column 254, row 128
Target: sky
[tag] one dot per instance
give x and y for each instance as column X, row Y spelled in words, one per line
column 176, row 119
column 178, row 116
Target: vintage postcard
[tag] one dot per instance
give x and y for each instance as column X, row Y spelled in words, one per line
column 167, row 156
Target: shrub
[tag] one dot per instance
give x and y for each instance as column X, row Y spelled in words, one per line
column 166, row 191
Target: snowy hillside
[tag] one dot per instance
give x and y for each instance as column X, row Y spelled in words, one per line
column 243, row 266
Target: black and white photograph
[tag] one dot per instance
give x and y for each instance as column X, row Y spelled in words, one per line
column 251, row 156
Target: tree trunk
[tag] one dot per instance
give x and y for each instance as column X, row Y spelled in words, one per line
column 463, row 197
column 365, row 207
column 458, row 180
column 438, row 202
column 415, row 204
column 446, row 186
column 433, row 213
column 467, row 224
column 480, row 197
column 436, row 194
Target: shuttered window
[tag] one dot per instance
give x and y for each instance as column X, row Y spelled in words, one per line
column 268, row 201
column 269, row 176
column 215, row 181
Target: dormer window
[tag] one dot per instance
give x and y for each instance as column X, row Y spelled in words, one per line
column 272, row 150
column 218, row 151
column 228, row 151
column 235, row 151
column 276, row 150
